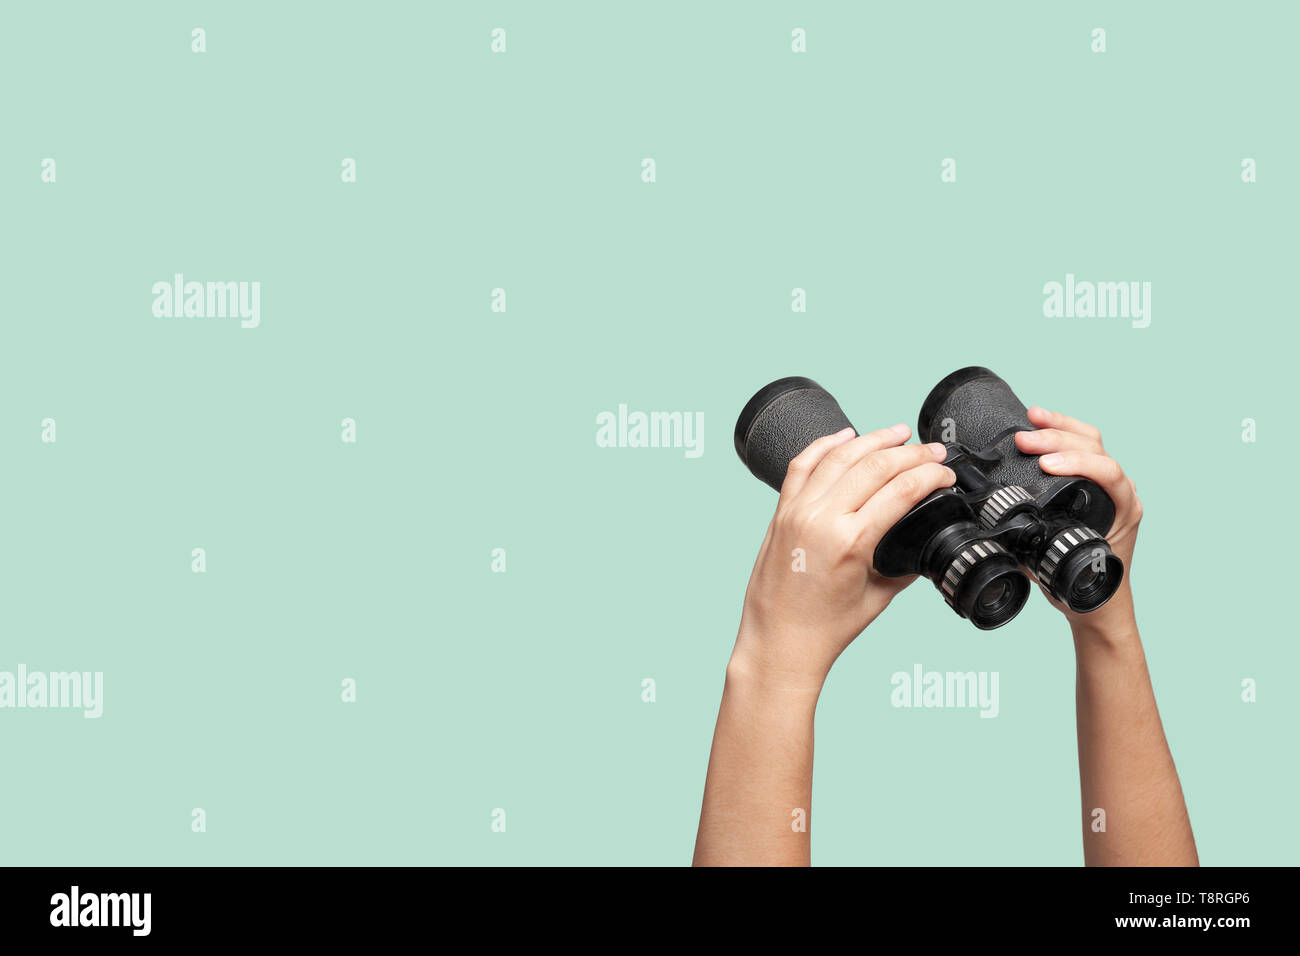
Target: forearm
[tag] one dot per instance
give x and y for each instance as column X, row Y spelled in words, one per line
column 758, row 793
column 1125, row 767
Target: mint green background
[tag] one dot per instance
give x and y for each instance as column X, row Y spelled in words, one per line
column 476, row 430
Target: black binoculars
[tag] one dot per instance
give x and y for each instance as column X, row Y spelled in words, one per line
column 971, row 539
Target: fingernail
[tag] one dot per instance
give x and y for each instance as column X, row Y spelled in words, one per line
column 952, row 475
column 1051, row 461
column 901, row 429
column 937, row 450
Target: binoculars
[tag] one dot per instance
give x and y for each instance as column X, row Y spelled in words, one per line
column 973, row 538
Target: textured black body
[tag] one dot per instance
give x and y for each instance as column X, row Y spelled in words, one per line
column 985, row 415
column 782, row 420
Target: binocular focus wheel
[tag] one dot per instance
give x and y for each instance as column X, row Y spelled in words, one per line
column 1061, row 545
column 1002, row 501
column 967, row 559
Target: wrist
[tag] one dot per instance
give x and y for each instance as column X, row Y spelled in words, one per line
column 754, row 672
column 1112, row 626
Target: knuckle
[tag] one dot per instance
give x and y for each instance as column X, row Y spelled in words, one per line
column 907, row 484
column 843, row 455
column 856, row 480
column 876, row 466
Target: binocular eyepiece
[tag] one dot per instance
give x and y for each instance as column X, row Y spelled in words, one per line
column 973, row 540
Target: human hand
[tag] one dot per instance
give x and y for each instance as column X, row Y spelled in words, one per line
column 813, row 588
column 1071, row 447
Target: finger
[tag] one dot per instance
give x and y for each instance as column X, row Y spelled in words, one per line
column 833, row 466
column 899, row 496
column 802, row 465
column 1042, row 418
column 1102, row 469
column 876, row 470
column 1046, row 440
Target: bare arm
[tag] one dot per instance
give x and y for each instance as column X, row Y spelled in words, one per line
column 812, row 591
column 1133, row 808
column 1125, row 767
column 758, row 792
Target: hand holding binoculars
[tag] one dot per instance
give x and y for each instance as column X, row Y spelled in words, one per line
column 971, row 539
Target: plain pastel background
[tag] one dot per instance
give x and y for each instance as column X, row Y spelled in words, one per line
column 476, row 429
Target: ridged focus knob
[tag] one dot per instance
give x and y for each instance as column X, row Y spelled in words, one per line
column 970, row 556
column 1001, row 502
column 1062, row 544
